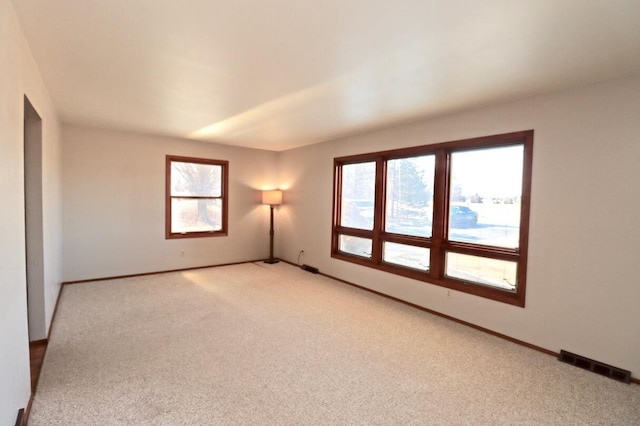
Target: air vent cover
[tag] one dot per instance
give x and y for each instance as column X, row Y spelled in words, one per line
column 597, row 367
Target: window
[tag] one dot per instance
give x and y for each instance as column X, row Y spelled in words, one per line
column 454, row 214
column 196, row 197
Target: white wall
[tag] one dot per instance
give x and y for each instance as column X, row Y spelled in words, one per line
column 19, row 76
column 582, row 285
column 114, row 211
column 34, row 88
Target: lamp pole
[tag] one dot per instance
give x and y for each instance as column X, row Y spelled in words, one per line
column 272, row 198
column 271, row 258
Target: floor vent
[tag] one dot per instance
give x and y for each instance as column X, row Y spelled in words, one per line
column 597, row 367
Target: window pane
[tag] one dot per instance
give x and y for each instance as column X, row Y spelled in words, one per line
column 195, row 179
column 404, row 255
column 482, row 270
column 358, row 192
column 486, row 190
column 409, row 207
column 355, row 245
column 189, row 215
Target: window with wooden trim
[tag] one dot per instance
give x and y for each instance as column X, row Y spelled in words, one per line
column 454, row 214
column 196, row 200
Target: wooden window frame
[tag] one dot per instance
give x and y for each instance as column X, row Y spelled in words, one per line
column 224, row 197
column 438, row 244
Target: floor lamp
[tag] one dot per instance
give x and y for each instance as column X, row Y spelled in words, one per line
column 272, row 198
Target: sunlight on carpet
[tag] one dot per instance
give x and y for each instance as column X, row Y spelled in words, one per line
column 272, row 344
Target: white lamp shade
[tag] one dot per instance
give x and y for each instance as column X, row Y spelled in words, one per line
column 273, row 198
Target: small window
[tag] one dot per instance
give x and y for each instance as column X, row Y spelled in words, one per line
column 453, row 214
column 196, row 197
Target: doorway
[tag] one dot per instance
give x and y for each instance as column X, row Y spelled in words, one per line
column 34, row 240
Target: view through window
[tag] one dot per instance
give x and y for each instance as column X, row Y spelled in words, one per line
column 453, row 214
column 196, row 197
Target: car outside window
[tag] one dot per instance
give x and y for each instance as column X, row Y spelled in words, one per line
column 453, row 214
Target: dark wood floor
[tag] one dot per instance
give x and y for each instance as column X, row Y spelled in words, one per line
column 36, row 351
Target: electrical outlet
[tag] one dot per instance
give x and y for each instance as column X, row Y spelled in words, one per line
column 448, row 294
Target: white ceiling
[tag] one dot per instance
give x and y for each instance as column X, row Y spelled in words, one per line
column 276, row 74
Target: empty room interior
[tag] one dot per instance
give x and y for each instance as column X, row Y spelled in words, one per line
column 319, row 212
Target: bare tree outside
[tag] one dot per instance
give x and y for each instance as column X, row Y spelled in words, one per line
column 196, row 189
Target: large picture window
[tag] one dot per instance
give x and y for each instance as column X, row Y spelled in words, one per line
column 454, row 214
column 196, row 197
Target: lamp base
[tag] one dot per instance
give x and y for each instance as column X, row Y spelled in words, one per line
column 271, row 261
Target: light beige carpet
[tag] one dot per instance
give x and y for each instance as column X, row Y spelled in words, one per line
column 271, row 344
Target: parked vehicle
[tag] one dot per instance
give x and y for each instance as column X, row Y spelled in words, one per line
column 462, row 217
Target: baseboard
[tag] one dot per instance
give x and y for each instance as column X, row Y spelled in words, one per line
column 454, row 319
column 459, row 321
column 27, row 412
column 35, row 347
column 23, row 414
column 142, row 274
column 413, row 305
